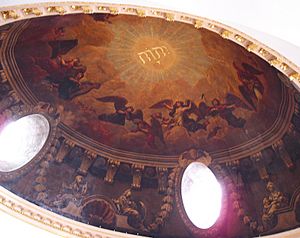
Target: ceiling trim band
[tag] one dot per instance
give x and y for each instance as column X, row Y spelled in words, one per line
column 20, row 12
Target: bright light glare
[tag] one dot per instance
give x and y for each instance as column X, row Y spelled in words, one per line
column 21, row 140
column 201, row 195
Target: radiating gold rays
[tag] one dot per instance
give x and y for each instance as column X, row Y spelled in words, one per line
column 151, row 50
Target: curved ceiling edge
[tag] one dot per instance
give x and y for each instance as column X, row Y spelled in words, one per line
column 56, row 224
column 21, row 12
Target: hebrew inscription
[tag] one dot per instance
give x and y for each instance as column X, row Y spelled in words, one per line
column 153, row 54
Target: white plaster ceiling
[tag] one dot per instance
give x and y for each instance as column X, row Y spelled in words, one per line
column 13, row 227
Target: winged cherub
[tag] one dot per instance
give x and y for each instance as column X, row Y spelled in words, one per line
column 176, row 110
column 251, row 88
column 122, row 111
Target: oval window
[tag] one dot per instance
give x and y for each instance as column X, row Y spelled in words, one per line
column 201, row 195
column 21, row 141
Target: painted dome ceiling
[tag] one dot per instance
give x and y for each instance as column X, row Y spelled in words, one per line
column 131, row 101
column 147, row 86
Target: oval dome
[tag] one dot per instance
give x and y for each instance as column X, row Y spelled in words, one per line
column 157, row 90
column 130, row 101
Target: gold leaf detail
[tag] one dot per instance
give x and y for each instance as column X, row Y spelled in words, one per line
column 9, row 15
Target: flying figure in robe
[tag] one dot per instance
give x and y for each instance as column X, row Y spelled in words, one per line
column 252, row 88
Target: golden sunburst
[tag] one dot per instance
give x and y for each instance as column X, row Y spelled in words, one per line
column 153, row 50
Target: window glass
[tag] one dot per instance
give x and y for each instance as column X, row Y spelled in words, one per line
column 201, row 195
column 21, row 141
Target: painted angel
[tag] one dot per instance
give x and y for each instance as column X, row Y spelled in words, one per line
column 176, row 110
column 252, row 88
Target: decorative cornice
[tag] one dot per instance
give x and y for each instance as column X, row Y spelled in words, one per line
column 26, row 11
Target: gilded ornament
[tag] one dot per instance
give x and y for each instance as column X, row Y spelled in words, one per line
column 170, row 17
column 251, row 47
column 9, row 15
column 198, row 24
column 140, row 13
column 283, row 66
column 37, row 217
column 56, row 9
column 77, row 232
column 226, row 34
column 102, row 8
column 186, row 18
column 47, row 221
column 136, row 180
column 239, row 38
column 32, row 11
column 18, row 208
column 8, row 203
column 67, row 228
column 113, row 10
column 84, row 9
column 274, row 62
column 91, row 154
column 295, row 77
column 211, row 26
column 57, row 225
column 263, row 52
column 131, row 10
column 156, row 13
column 112, row 167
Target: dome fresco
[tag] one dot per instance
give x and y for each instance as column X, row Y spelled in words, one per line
column 144, row 85
column 131, row 103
